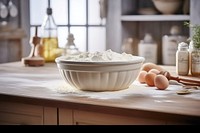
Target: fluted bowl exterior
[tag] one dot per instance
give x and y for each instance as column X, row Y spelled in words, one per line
column 100, row 76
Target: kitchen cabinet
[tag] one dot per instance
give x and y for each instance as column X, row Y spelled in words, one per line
column 81, row 117
column 13, row 113
column 124, row 21
column 92, row 117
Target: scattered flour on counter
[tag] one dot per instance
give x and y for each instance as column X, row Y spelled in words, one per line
column 104, row 56
column 135, row 90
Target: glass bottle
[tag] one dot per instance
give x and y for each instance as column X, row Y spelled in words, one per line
column 194, row 60
column 49, row 38
column 147, row 48
column 182, row 59
column 70, row 47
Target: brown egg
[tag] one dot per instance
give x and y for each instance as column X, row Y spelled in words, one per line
column 154, row 71
column 161, row 82
column 148, row 66
column 141, row 76
column 149, row 79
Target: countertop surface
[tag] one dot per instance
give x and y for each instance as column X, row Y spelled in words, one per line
column 44, row 86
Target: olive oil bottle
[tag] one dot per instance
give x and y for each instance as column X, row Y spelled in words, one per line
column 49, row 39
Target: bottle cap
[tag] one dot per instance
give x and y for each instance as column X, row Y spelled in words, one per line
column 49, row 11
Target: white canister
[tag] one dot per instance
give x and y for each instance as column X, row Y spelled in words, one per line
column 170, row 46
column 147, row 48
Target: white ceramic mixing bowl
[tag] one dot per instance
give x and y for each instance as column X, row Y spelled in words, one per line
column 99, row 76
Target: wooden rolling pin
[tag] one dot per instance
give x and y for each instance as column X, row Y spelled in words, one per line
column 184, row 81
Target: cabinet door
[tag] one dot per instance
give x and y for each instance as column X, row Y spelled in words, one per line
column 12, row 113
column 50, row 116
column 93, row 118
column 20, row 114
column 65, row 116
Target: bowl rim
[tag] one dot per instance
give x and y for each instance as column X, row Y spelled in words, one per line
column 138, row 59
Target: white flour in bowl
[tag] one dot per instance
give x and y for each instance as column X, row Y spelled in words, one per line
column 105, row 56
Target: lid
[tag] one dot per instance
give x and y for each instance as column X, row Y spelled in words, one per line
column 182, row 46
column 147, row 38
column 175, row 30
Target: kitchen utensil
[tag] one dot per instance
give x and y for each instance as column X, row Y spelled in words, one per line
column 182, row 80
column 99, row 75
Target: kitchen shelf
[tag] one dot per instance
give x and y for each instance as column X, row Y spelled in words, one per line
column 123, row 22
column 155, row 18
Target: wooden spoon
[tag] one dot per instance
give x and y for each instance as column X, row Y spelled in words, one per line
column 180, row 79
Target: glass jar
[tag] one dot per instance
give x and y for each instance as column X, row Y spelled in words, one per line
column 194, row 60
column 70, row 47
column 182, row 59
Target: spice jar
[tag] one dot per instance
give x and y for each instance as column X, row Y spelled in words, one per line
column 182, row 59
column 194, row 60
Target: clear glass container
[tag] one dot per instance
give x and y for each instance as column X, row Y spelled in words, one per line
column 194, row 60
column 182, row 59
column 70, row 47
column 49, row 38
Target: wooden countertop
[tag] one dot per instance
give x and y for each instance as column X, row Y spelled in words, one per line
column 41, row 86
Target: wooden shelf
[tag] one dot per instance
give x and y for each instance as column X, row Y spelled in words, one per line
column 12, row 34
column 155, row 18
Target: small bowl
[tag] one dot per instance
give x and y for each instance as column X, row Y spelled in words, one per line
column 99, row 76
column 167, row 6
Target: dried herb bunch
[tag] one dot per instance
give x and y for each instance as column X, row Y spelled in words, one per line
column 196, row 34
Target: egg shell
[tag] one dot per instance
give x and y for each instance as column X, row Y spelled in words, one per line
column 141, row 76
column 154, row 71
column 149, row 79
column 161, row 82
column 148, row 66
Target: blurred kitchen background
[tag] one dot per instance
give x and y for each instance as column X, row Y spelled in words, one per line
column 97, row 25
